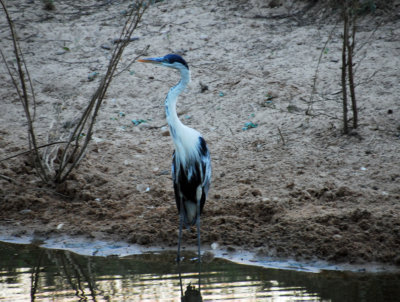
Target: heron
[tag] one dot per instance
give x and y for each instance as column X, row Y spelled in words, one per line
column 191, row 162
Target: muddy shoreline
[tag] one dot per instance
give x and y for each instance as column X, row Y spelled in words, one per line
column 101, row 248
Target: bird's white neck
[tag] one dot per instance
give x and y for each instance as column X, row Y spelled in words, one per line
column 184, row 138
column 170, row 102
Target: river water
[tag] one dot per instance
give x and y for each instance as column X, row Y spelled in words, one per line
column 32, row 273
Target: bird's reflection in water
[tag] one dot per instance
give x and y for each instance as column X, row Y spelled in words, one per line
column 191, row 293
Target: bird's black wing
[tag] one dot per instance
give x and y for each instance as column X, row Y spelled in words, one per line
column 205, row 165
column 196, row 172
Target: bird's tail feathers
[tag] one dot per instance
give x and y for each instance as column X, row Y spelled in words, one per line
column 190, row 214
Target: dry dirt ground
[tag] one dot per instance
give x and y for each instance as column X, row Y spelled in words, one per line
column 294, row 186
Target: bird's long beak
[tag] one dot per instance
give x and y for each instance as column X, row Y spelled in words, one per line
column 151, row 60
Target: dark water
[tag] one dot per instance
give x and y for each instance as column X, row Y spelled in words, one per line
column 30, row 273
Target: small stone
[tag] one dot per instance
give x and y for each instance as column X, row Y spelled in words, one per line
column 106, row 46
column 337, row 237
column 203, row 87
column 214, row 245
column 203, row 37
column 26, row 211
column 165, row 131
column 142, row 188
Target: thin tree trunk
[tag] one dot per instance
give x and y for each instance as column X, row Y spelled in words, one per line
column 350, row 51
column 344, row 61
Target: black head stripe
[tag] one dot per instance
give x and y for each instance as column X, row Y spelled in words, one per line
column 172, row 58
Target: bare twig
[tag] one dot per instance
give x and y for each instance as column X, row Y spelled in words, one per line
column 281, row 135
column 141, row 53
column 314, row 87
column 9, row 179
column 29, row 151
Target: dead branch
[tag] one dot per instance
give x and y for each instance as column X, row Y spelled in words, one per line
column 24, row 96
column 74, row 153
column 76, row 146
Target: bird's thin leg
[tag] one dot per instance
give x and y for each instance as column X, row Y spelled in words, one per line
column 198, row 238
column 178, row 256
column 198, row 232
column 180, row 278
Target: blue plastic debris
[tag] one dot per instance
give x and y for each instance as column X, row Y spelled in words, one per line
column 138, row 122
column 92, row 75
column 249, row 125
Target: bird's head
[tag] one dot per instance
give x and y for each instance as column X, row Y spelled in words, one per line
column 170, row 60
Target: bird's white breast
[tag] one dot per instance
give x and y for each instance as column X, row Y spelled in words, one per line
column 187, row 147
